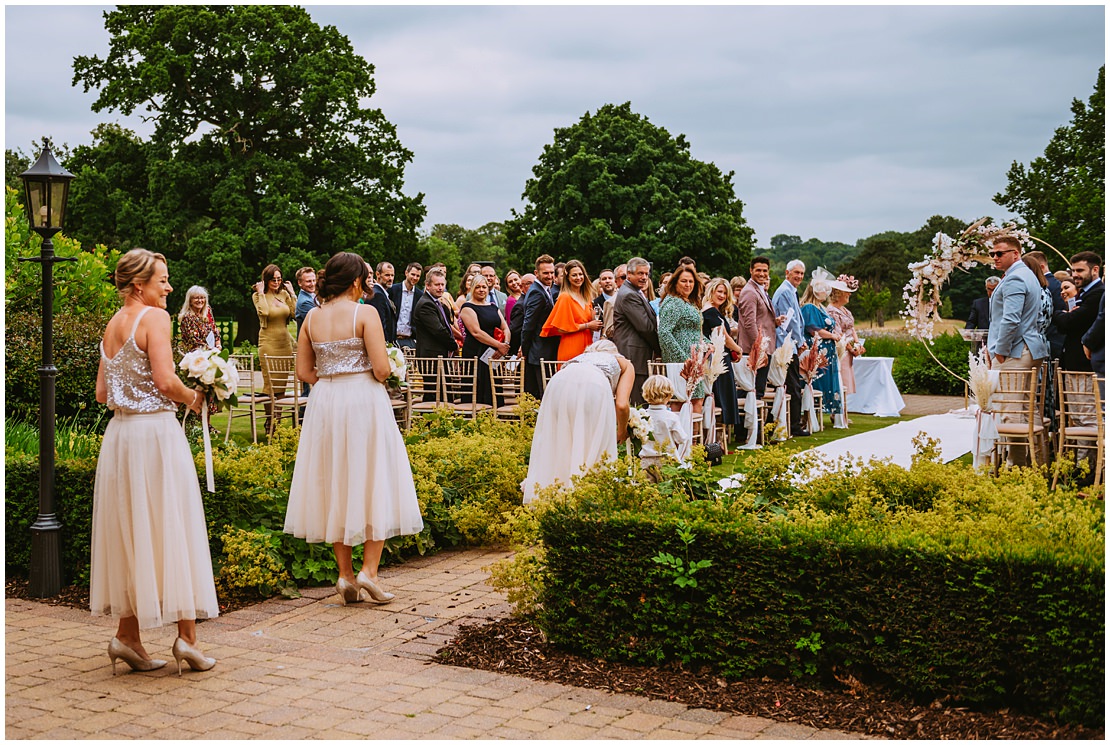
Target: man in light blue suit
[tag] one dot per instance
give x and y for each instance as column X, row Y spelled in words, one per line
column 1014, row 341
column 785, row 303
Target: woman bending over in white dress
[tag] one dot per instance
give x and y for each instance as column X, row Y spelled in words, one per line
column 352, row 482
column 584, row 413
column 150, row 557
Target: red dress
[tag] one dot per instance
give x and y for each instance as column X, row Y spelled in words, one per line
column 565, row 318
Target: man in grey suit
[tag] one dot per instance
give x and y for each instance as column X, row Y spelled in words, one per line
column 634, row 326
column 1014, row 342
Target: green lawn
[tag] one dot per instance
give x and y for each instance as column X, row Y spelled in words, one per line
column 734, row 462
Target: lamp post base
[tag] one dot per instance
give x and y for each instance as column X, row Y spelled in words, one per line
column 46, row 551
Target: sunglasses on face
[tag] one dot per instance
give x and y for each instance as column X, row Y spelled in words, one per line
column 996, row 254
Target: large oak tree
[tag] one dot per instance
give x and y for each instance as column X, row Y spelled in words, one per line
column 614, row 185
column 263, row 148
column 1061, row 196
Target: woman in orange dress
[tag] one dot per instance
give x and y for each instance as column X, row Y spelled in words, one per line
column 572, row 318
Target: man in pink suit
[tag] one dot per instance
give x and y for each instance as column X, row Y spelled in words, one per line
column 758, row 315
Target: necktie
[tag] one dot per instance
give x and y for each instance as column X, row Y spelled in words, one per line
column 442, row 314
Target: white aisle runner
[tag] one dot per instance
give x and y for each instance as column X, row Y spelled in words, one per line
column 955, row 432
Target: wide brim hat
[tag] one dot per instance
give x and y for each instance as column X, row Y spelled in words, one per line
column 837, row 284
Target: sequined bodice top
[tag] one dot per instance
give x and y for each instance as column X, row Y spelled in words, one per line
column 130, row 381
column 342, row 356
column 603, row 361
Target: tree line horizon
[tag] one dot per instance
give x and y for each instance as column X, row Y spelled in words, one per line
column 294, row 168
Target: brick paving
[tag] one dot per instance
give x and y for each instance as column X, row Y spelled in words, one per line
column 312, row 669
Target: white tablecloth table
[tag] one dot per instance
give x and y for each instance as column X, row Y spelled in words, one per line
column 876, row 392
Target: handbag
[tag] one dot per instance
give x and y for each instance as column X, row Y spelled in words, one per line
column 714, row 453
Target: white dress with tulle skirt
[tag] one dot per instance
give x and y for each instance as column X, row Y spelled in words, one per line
column 352, row 481
column 577, row 424
column 150, row 553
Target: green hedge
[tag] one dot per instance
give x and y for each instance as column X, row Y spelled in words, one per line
column 73, row 494
column 915, row 371
column 928, row 602
column 467, row 474
column 76, row 355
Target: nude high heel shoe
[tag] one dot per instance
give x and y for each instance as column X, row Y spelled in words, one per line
column 183, row 650
column 377, row 594
column 117, row 650
column 348, row 593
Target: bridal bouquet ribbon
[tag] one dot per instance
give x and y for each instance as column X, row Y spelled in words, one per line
column 218, row 378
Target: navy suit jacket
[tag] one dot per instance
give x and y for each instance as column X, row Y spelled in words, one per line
column 1075, row 324
column 537, row 307
column 384, row 305
column 980, row 317
column 395, row 290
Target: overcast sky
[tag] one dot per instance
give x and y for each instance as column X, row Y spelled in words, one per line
column 839, row 122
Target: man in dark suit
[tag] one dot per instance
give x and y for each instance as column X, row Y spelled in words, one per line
column 516, row 317
column 380, row 300
column 1054, row 335
column 434, row 335
column 980, row 316
column 404, row 295
column 537, row 307
column 634, row 326
column 1086, row 266
column 1094, row 345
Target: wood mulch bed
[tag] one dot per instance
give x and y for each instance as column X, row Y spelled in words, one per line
column 516, row 647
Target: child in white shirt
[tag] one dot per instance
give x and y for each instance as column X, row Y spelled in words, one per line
column 671, row 437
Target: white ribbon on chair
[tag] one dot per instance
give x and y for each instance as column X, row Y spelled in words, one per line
column 745, row 381
column 986, row 433
column 809, row 408
column 686, row 413
column 776, row 377
column 709, row 419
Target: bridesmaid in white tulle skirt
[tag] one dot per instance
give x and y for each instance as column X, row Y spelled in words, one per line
column 584, row 413
column 150, row 556
column 352, row 482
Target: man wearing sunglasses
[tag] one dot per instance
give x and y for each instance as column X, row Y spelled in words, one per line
column 1013, row 340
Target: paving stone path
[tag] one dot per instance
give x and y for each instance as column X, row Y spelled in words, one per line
column 312, row 669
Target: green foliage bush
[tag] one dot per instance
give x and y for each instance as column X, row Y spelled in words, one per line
column 915, row 371
column 934, row 581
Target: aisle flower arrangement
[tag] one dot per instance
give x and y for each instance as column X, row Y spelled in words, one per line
column 922, row 293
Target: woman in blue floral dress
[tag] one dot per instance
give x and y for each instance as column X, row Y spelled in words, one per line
column 821, row 327
column 680, row 323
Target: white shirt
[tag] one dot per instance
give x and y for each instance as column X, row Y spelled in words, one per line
column 404, row 313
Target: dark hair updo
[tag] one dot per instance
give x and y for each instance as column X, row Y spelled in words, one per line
column 337, row 276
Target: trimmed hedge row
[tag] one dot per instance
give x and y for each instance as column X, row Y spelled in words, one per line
column 825, row 598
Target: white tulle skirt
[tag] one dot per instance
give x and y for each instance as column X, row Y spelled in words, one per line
column 352, row 481
column 150, row 554
column 576, row 428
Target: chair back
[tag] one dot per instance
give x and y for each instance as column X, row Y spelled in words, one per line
column 282, row 372
column 548, row 368
column 248, row 394
column 459, row 376
column 506, row 378
column 424, row 382
column 1016, row 397
column 1080, row 405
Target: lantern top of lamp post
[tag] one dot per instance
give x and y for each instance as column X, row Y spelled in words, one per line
column 46, row 168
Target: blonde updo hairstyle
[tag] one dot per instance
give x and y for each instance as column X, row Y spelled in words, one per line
column 134, row 268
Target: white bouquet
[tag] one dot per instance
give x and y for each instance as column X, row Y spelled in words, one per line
column 211, row 370
column 218, row 378
column 397, row 368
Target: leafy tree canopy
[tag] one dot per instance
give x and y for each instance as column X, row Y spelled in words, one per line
column 262, row 148
column 614, row 186
column 1061, row 196
column 813, row 252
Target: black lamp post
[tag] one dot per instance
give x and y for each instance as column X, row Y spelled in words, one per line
column 46, row 185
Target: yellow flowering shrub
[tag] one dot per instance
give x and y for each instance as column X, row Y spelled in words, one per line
column 250, row 563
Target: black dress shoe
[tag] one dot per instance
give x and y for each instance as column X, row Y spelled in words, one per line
column 799, row 433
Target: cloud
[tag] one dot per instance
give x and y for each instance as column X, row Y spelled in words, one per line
column 839, row 121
